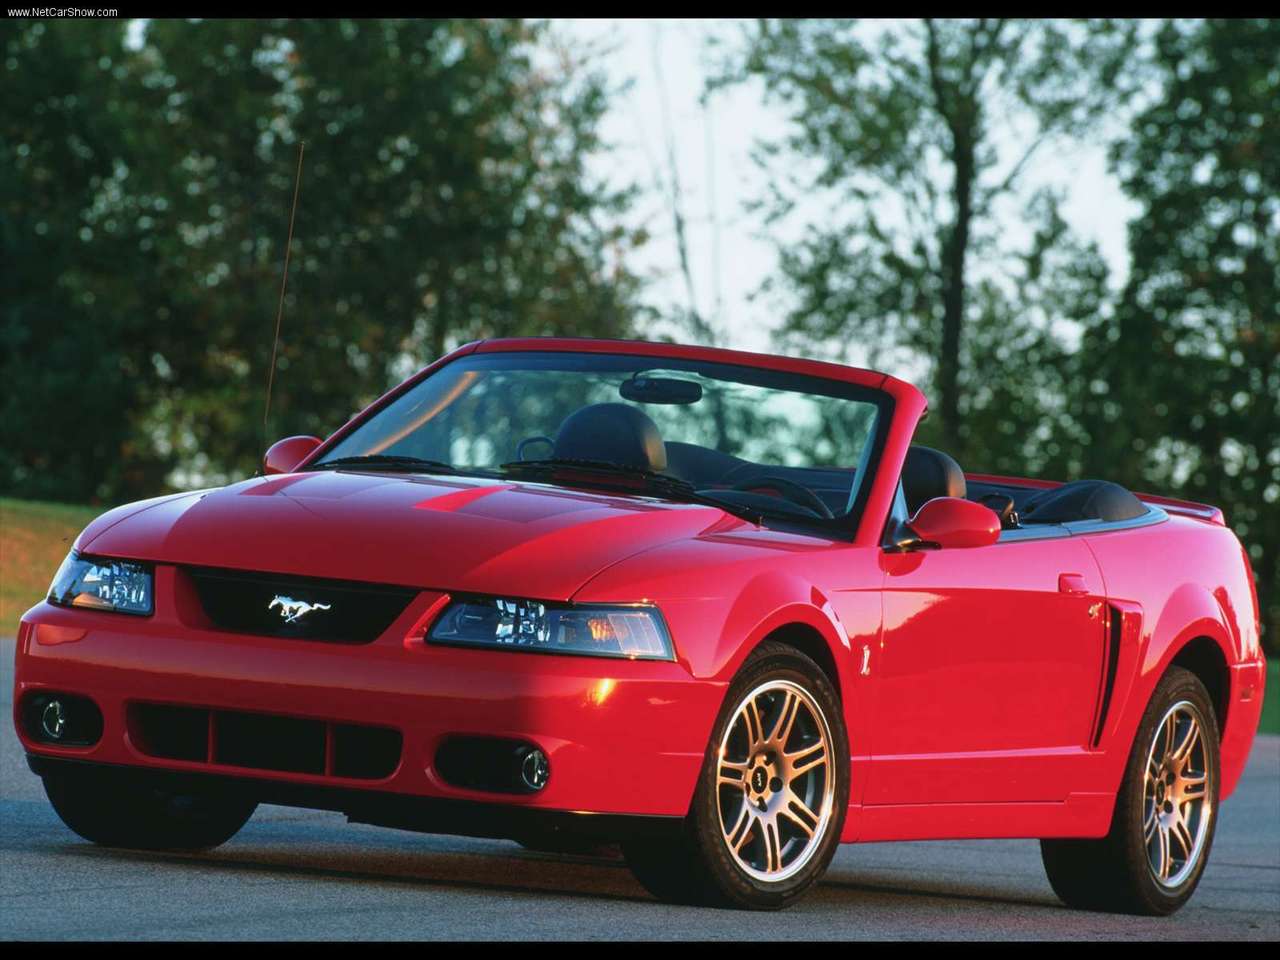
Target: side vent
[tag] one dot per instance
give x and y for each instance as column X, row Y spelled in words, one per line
column 1115, row 630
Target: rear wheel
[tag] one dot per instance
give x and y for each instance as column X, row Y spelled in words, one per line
column 1166, row 811
column 771, row 798
column 117, row 809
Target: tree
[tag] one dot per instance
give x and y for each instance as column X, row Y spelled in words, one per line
column 1185, row 381
column 900, row 133
column 444, row 197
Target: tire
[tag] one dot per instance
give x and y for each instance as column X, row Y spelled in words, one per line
column 1118, row 873
column 117, row 809
column 775, row 864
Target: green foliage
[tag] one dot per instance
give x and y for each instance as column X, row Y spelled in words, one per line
column 444, row 197
column 1184, row 382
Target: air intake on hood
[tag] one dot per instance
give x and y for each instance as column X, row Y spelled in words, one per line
column 302, row 608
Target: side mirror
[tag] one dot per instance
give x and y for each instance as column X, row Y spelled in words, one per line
column 284, row 455
column 948, row 522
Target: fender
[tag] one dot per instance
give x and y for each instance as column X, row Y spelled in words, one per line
column 769, row 602
column 772, row 601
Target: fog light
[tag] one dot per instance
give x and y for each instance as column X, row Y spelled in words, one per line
column 53, row 720
column 495, row 764
column 534, row 769
column 64, row 719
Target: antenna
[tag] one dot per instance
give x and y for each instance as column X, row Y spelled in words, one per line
column 284, row 282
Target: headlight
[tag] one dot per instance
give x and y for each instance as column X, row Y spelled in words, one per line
column 635, row 632
column 119, row 585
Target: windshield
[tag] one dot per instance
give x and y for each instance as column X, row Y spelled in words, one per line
column 751, row 436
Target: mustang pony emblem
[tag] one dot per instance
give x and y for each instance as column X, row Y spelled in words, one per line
column 292, row 609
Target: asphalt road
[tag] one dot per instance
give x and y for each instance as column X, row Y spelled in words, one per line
column 298, row 874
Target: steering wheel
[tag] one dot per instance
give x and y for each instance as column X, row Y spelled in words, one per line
column 527, row 441
column 797, row 493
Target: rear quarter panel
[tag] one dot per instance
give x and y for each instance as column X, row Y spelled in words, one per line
column 1174, row 582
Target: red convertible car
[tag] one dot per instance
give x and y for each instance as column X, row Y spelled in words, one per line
column 712, row 606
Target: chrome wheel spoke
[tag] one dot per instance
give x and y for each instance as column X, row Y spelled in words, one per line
column 1162, row 861
column 1178, row 831
column 772, row 846
column 798, row 812
column 732, row 774
column 1193, row 787
column 1184, row 748
column 786, row 719
column 1170, row 730
column 737, row 836
column 1153, row 770
column 806, row 759
column 755, row 728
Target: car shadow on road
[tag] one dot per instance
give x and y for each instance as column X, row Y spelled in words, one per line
column 949, row 894
column 516, row 872
column 502, row 871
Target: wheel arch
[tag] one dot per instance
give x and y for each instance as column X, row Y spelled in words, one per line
column 787, row 609
column 1204, row 657
column 806, row 639
column 1192, row 631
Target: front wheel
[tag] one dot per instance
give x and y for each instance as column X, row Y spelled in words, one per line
column 771, row 797
column 1166, row 810
column 117, row 809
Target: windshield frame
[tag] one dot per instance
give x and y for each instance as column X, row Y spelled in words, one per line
column 850, row 384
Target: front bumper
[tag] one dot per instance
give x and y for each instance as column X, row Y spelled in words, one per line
column 622, row 737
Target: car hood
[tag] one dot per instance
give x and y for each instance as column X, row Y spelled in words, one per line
column 457, row 534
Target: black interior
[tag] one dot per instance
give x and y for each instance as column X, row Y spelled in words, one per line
column 929, row 473
column 615, row 432
column 702, row 465
column 624, row 434
column 1082, row 500
column 1004, row 507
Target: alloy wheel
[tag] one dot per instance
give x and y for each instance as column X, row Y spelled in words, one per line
column 775, row 783
column 1176, row 806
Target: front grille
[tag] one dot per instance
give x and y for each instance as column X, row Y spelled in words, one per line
column 262, row 741
column 302, row 608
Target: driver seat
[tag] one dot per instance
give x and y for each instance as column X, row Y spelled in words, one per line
column 929, row 473
column 615, row 432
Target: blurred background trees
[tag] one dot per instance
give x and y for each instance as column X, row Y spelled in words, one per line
column 444, row 197
column 448, row 194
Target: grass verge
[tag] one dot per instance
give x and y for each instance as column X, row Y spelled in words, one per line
column 34, row 537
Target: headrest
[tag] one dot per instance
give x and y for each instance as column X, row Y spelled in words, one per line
column 929, row 473
column 612, row 431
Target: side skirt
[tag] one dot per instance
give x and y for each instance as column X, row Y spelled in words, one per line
column 1080, row 815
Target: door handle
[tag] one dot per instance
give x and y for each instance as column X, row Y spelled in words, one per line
column 1072, row 583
